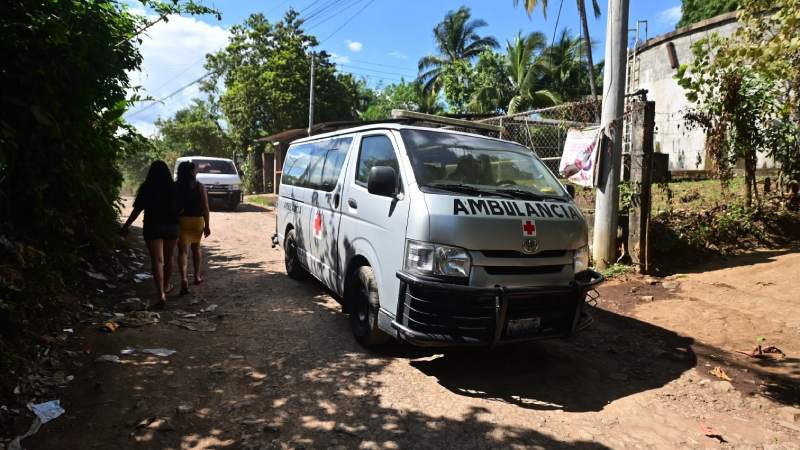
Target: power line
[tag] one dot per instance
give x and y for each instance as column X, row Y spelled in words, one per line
column 172, row 94
column 369, row 69
column 320, row 12
column 348, row 20
column 339, row 11
column 368, row 75
column 271, row 10
column 409, row 69
column 190, row 66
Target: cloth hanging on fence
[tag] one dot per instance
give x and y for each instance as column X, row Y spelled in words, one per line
column 579, row 159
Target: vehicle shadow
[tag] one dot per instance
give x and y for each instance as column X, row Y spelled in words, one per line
column 617, row 357
column 282, row 370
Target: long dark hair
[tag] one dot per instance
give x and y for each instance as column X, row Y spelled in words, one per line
column 158, row 184
column 186, row 178
column 158, row 177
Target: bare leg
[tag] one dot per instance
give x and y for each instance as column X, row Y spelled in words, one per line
column 183, row 262
column 197, row 260
column 156, row 248
column 169, row 260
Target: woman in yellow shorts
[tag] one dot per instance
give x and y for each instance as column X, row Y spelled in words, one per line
column 193, row 221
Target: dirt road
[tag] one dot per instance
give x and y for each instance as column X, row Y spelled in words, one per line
column 281, row 370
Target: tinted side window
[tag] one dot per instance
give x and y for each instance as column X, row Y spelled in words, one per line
column 313, row 178
column 294, row 168
column 334, row 160
column 375, row 151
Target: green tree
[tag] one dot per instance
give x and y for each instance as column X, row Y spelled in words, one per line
column 696, row 10
column 747, row 88
column 403, row 95
column 265, row 71
column 493, row 92
column 457, row 40
column 61, row 131
column 561, row 65
column 524, row 71
column 194, row 130
column 530, row 5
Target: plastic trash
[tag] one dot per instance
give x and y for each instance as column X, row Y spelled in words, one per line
column 127, row 351
column 108, row 358
column 47, row 411
column 163, row 352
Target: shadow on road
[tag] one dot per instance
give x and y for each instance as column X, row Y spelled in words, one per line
column 619, row 356
column 283, row 371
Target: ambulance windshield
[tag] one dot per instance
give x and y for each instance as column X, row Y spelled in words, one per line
column 475, row 165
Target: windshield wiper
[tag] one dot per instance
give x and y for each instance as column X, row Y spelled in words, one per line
column 531, row 195
column 469, row 190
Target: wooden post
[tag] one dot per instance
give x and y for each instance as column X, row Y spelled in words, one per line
column 277, row 161
column 264, row 169
column 641, row 168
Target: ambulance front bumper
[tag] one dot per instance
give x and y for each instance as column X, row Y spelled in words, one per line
column 432, row 313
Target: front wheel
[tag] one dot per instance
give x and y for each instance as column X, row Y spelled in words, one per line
column 364, row 309
column 290, row 258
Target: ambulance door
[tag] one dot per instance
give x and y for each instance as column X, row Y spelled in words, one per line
column 373, row 221
column 325, row 217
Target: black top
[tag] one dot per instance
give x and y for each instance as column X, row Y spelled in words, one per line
column 190, row 200
column 159, row 207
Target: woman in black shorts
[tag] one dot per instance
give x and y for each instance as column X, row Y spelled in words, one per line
column 158, row 199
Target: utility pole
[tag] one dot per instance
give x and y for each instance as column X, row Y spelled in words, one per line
column 607, row 201
column 311, row 97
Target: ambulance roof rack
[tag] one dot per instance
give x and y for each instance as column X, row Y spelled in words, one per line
column 413, row 116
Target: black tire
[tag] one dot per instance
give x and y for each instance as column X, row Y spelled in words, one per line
column 364, row 309
column 293, row 267
column 232, row 205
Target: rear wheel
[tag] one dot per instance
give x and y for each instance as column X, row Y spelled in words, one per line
column 290, row 258
column 233, row 204
column 364, row 309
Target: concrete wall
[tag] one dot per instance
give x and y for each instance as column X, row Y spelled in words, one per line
column 685, row 147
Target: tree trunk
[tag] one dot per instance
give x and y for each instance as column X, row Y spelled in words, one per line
column 587, row 45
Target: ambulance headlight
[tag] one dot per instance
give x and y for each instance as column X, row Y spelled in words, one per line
column 428, row 259
column 581, row 260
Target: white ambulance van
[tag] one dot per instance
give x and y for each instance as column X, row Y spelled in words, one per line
column 435, row 237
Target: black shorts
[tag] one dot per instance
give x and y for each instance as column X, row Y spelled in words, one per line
column 166, row 231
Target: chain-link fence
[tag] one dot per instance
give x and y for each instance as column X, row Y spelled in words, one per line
column 545, row 130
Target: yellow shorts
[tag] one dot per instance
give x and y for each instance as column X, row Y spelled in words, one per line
column 191, row 229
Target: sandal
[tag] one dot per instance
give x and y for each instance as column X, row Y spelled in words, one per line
column 184, row 288
column 198, row 281
column 160, row 305
column 170, row 287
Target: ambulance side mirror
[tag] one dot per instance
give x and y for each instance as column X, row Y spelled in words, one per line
column 570, row 190
column 382, row 181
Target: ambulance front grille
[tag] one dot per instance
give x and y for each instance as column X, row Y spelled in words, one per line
column 517, row 254
column 523, row 270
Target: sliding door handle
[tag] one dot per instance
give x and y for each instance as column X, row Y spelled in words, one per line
column 352, row 202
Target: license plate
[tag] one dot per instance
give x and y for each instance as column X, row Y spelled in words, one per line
column 523, row 327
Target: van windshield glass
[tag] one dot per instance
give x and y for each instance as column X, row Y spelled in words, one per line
column 476, row 166
column 214, row 166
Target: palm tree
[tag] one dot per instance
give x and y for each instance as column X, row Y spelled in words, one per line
column 530, row 5
column 523, row 65
column 561, row 66
column 457, row 39
column 427, row 101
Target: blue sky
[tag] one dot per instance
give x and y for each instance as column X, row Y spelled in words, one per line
column 378, row 39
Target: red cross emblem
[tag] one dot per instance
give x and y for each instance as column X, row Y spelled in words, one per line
column 317, row 224
column 528, row 227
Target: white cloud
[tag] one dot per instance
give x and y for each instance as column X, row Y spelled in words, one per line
column 354, row 46
column 340, row 59
column 398, row 55
column 670, row 16
column 173, row 56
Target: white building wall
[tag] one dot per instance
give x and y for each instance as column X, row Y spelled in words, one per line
column 686, row 148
